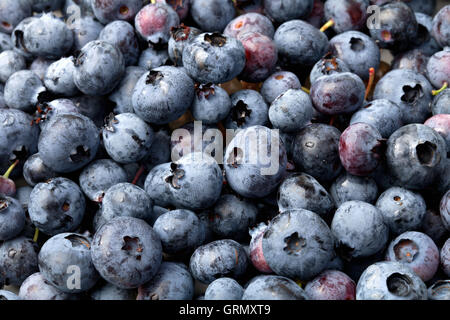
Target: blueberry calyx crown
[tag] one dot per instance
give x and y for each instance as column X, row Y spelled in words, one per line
column 176, row 175
column 215, row 39
column 240, row 112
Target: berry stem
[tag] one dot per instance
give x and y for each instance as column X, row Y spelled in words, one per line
column 138, row 174
column 306, row 90
column 10, row 169
column 370, row 83
column 327, row 25
column 332, row 120
column 36, row 234
column 436, row 92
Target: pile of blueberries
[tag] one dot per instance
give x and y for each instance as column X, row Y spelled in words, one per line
column 93, row 204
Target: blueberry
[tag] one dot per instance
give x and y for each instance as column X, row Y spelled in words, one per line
column 36, row 287
column 160, row 150
column 331, row 285
column 23, row 90
column 291, row 111
column 57, row 259
column 390, row 281
column 121, row 34
column 47, row 37
column 445, row 258
column 56, row 206
column 257, row 177
column 444, row 208
column 211, row 104
column 217, row 259
column 224, row 289
column 17, row 37
column 47, row 5
column 48, row 110
column 326, row 66
column 10, row 62
column 347, row 15
column 126, row 252
column 414, row 60
column 8, row 295
column 127, row 200
column 213, row 57
column 172, row 282
column 154, row 21
column 273, row 287
column 59, row 77
column 12, row 218
column 285, row 10
column 302, row 191
column 181, row 7
column 109, row 10
column 359, row 229
column 348, row 187
column 12, row 12
column 40, row 66
column 427, row 43
column 212, row 15
column 68, row 142
column 85, row 29
column 441, row 103
column 180, row 37
column 35, row 171
column 162, row 95
column 157, row 187
column 300, row 43
column 179, row 231
column 18, row 260
column 151, row 58
column 250, row 22
column 256, row 251
column 122, row 95
column 99, row 176
column 416, row 155
column 232, row 217
column 110, row 292
column 416, row 250
column 298, row 244
column 83, row 7
column 278, row 83
column 318, row 143
column 438, row 68
column 441, row 28
column 439, row 290
column 98, row 68
column 5, row 42
column 433, row 226
column 248, row 109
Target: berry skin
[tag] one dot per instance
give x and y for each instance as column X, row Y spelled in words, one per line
column 10, row 62
column 416, row 250
column 414, row 60
column 180, row 37
column 122, row 95
column 248, row 109
column 250, row 22
column 59, row 77
column 224, row 289
column 12, row 218
column 109, row 10
column 438, row 68
column 278, row 83
column 441, row 26
column 35, row 171
column 256, row 251
column 22, row 90
column 212, row 15
column 348, row 187
column 273, row 287
column 211, row 104
column 17, row 37
column 331, row 285
column 445, row 258
column 12, row 12
column 151, row 58
column 110, row 292
column 441, row 124
column 360, row 148
column 347, row 15
column 439, row 290
column 427, row 43
column 326, row 66
column 444, row 209
column 182, row 7
column 441, row 103
column 286, row 10
column 85, row 29
column 36, row 287
column 8, row 295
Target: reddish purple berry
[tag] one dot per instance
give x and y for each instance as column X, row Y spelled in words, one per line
column 331, row 285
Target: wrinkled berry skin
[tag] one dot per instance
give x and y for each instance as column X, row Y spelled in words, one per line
column 172, row 282
column 298, row 244
column 59, row 77
column 211, row 104
column 302, row 191
column 10, row 62
column 248, row 109
column 348, row 187
column 109, row 10
column 439, row 290
column 154, row 21
column 285, row 10
column 22, row 90
column 180, row 37
column 445, row 258
column 291, row 111
column 416, row 156
column 411, row 91
column 250, row 22
column 441, row 27
column 122, row 95
column 441, row 124
column 47, row 37
column 299, row 43
column 162, row 95
column 316, row 143
column 418, row 251
column 273, row 287
column 441, row 103
column 68, row 142
column 36, row 287
column 62, row 251
column 127, row 138
column 18, row 260
column 256, row 251
column 278, row 83
column 390, row 281
column 359, row 229
column 35, row 171
column 126, row 252
column 444, row 208
column 438, row 68
column 347, row 15
column 331, row 285
column 179, row 230
column 99, row 176
column 398, row 26
column 382, row 114
column 255, row 178
column 12, row 12
column 358, row 51
column 338, row 93
column 56, row 206
column 232, row 217
column 402, row 210
column 359, row 149
column 8, row 295
column 217, row 259
column 224, row 289
column 212, row 15
column 98, row 68
column 121, row 34
column 16, row 136
column 214, row 58
column 326, row 66
column 12, row 218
